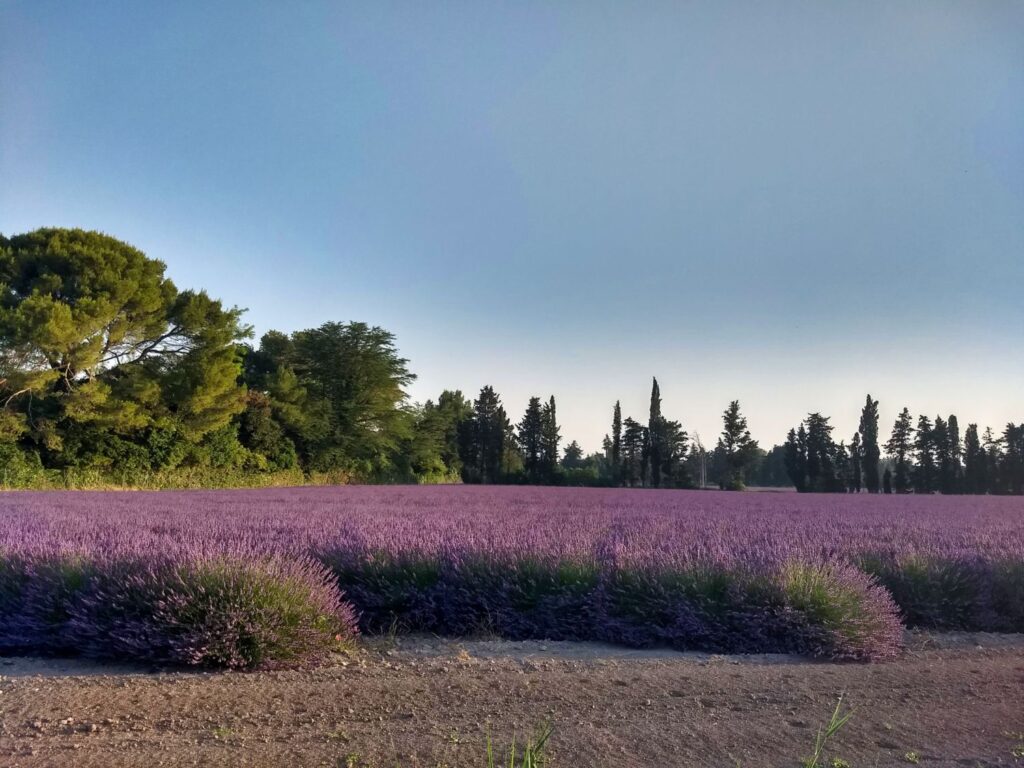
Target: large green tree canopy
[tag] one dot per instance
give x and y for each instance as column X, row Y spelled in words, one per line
column 338, row 393
column 93, row 333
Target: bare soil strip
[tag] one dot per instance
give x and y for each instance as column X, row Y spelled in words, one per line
column 950, row 700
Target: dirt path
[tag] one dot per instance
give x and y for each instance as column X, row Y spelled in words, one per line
column 949, row 701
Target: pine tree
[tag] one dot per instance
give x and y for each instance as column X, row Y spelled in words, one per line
column 615, row 458
column 855, row 463
column 869, row 444
column 738, row 448
column 489, row 433
column 530, row 438
column 633, row 439
column 899, row 448
column 821, row 455
column 924, row 449
column 674, row 471
column 1011, row 468
column 573, row 457
column 796, row 459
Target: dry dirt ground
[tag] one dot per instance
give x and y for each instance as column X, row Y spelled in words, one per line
column 951, row 700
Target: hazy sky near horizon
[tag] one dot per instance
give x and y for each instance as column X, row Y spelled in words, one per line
column 789, row 203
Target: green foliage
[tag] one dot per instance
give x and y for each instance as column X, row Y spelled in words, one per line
column 185, row 477
column 264, row 435
column 769, row 468
column 813, row 460
column 431, row 454
column 573, row 457
column 19, row 469
column 109, row 374
column 356, row 371
column 533, row 753
column 102, row 358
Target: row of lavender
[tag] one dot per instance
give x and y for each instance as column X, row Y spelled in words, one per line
column 246, row 577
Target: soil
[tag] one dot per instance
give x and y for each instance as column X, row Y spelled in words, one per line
column 949, row 700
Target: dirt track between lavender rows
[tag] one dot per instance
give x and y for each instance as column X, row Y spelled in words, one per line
column 948, row 701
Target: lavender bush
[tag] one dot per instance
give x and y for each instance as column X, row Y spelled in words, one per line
column 211, row 611
column 823, row 575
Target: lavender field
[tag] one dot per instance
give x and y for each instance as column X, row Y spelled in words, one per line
column 282, row 576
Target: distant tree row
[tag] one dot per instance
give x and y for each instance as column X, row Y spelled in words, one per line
column 928, row 458
column 107, row 368
column 485, row 447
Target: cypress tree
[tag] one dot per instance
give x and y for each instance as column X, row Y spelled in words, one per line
column 842, row 467
column 616, row 448
column 655, row 445
column 511, row 460
column 855, row 463
column 924, row 449
column 974, row 462
column 993, row 458
column 942, row 448
column 887, row 481
column 530, row 437
column 869, row 444
column 955, row 454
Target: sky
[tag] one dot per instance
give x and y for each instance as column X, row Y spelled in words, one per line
column 788, row 203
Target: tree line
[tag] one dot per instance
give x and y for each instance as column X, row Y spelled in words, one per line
column 108, row 369
column 930, row 457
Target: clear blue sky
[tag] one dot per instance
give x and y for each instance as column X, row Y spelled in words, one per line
column 789, row 203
